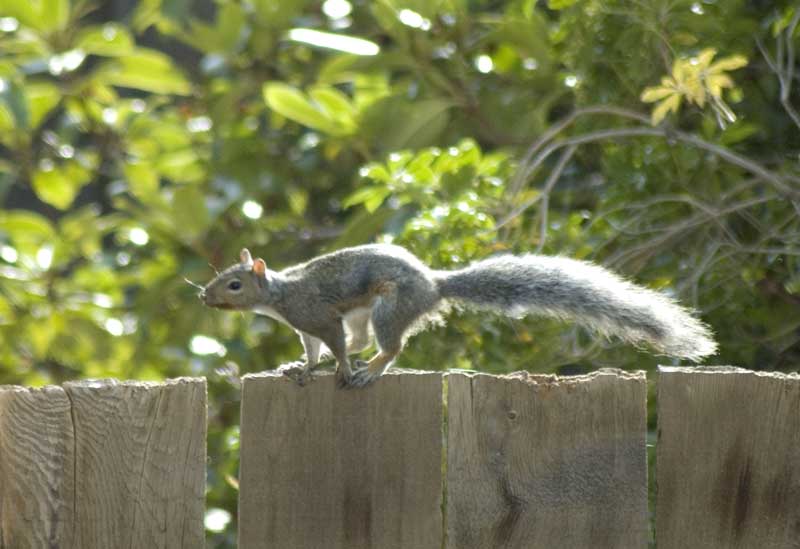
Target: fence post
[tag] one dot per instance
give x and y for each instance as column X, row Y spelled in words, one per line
column 328, row 468
column 543, row 461
column 99, row 464
column 728, row 458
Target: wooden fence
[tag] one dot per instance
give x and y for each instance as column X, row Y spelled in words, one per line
column 103, row 465
column 419, row 460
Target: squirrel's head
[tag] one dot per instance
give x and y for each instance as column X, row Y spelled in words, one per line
column 239, row 286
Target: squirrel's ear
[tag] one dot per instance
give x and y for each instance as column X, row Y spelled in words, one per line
column 245, row 257
column 260, row 267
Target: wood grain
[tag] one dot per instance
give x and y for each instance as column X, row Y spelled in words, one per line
column 36, row 468
column 328, row 468
column 728, row 459
column 102, row 464
column 538, row 461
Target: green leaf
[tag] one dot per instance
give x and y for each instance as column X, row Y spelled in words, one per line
column 55, row 13
column 42, row 98
column 335, row 103
column 6, row 124
column 362, row 227
column 230, row 25
column 24, row 11
column 190, row 214
column 25, row 225
column 294, row 105
column 146, row 13
column 277, row 15
column 59, row 185
column 371, row 197
column 527, row 36
column 14, row 97
column 416, row 124
column 181, row 165
column 142, row 181
column 736, row 133
column 110, row 40
column 147, row 70
column 560, row 4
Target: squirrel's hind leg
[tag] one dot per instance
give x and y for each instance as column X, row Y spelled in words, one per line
column 391, row 319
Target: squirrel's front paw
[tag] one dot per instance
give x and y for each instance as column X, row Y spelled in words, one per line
column 297, row 372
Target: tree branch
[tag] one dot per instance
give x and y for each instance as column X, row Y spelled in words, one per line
column 616, row 133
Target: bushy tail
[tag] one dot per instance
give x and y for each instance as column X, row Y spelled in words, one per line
column 582, row 292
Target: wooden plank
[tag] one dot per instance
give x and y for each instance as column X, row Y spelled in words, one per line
column 728, row 459
column 103, row 464
column 140, row 463
column 332, row 468
column 538, row 461
column 36, row 468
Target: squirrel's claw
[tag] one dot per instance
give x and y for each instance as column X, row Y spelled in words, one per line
column 360, row 377
column 297, row 372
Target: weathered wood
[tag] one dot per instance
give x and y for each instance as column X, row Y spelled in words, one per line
column 102, row 464
column 728, row 459
column 538, row 461
column 328, row 468
column 36, row 468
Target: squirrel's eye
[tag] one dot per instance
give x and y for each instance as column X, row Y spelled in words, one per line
column 234, row 285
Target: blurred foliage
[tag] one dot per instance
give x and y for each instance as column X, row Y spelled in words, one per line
column 141, row 142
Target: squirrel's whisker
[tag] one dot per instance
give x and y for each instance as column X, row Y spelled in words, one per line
column 190, row 283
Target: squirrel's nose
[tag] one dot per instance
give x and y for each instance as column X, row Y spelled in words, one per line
column 202, row 295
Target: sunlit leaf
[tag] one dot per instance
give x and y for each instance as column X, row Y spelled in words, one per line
column 671, row 103
column 147, row 70
column 681, row 70
column 560, row 4
column 25, row 12
column 371, row 197
column 56, row 12
column 59, row 185
column 717, row 82
column 42, row 98
column 298, row 200
column 110, row 40
column 293, row 104
column 335, row 103
column 704, row 58
column 651, row 95
column 142, row 180
column 730, row 63
column 23, row 224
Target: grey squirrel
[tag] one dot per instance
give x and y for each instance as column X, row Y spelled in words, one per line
column 339, row 299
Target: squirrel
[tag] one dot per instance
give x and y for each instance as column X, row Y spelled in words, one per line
column 338, row 300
